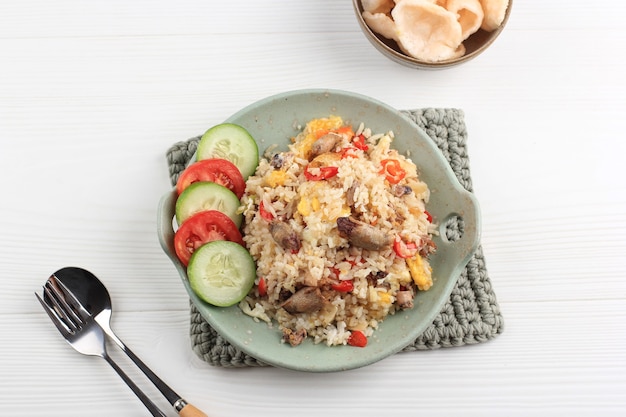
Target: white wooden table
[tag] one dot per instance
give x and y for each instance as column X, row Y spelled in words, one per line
column 93, row 93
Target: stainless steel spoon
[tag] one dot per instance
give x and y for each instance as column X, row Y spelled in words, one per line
column 94, row 297
column 82, row 332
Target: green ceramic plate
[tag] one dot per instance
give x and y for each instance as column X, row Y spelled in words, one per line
column 273, row 121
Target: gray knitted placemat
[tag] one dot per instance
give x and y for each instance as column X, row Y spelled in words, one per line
column 470, row 316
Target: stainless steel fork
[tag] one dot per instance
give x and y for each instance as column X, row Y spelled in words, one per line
column 82, row 333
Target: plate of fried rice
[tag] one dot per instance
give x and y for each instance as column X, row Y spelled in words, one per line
column 346, row 220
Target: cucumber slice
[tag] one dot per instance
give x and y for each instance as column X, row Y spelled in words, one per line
column 221, row 272
column 232, row 142
column 204, row 195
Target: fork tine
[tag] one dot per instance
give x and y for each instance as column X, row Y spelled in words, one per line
column 54, row 316
column 70, row 298
column 61, row 307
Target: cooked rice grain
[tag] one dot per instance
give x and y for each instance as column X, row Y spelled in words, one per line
column 325, row 257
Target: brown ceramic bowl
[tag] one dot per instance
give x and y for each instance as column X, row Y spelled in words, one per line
column 476, row 44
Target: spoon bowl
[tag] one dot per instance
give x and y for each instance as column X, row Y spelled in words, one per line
column 92, row 294
column 87, row 288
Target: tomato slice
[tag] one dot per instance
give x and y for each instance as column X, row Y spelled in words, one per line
column 217, row 170
column 201, row 228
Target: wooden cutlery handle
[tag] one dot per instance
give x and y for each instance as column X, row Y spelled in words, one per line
column 191, row 411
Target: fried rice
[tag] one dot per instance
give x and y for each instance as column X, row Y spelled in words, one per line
column 339, row 231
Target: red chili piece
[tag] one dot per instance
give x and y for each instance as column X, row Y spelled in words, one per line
column 266, row 215
column 359, row 142
column 343, row 286
column 393, row 170
column 324, row 173
column 357, row 338
column 404, row 250
column 262, row 287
